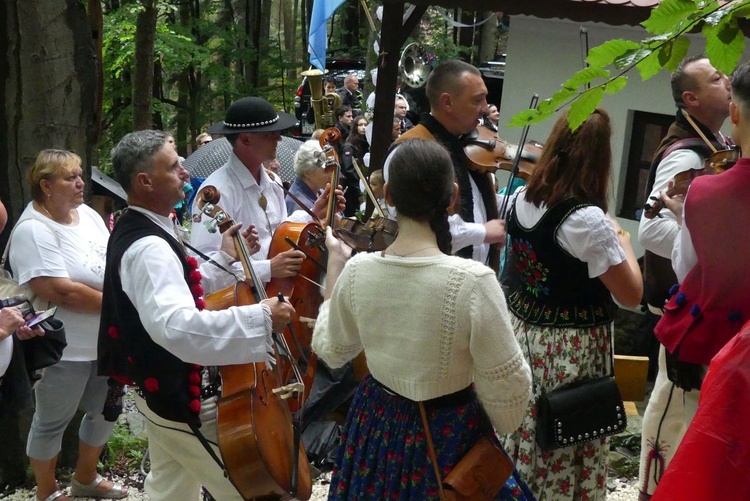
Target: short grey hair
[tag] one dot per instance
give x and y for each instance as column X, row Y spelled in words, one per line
column 134, row 153
column 308, row 158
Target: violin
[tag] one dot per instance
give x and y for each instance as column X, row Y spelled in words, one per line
column 486, row 152
column 717, row 163
column 258, row 438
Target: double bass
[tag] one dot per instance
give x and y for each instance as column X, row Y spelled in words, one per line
column 258, row 438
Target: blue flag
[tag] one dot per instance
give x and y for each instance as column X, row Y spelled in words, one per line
column 318, row 42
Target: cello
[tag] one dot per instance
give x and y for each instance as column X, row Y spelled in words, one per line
column 304, row 290
column 258, row 438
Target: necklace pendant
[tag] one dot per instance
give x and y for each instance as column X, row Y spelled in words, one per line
column 263, row 202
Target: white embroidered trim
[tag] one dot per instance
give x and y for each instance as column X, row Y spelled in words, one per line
column 256, row 124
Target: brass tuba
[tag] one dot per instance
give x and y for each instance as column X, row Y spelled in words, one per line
column 323, row 106
column 415, row 65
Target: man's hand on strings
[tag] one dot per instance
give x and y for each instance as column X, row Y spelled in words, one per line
column 320, row 207
column 287, row 263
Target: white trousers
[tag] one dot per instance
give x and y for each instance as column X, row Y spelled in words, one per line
column 668, row 414
column 180, row 464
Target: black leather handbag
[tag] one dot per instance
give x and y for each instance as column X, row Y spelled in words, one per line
column 579, row 412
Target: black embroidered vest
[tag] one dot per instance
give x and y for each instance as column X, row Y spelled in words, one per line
column 548, row 286
column 126, row 352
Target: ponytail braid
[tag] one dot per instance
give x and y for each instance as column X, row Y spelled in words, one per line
column 439, row 225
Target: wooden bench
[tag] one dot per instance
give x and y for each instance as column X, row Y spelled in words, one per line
column 631, row 373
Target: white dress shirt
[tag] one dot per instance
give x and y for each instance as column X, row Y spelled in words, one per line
column 658, row 234
column 683, row 254
column 241, row 199
column 153, row 279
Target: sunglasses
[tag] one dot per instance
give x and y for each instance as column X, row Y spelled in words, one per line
column 206, row 141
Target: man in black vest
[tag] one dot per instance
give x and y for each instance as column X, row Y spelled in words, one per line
column 458, row 99
column 701, row 94
column 154, row 332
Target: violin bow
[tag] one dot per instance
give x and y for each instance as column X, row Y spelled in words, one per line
column 367, row 188
column 516, row 160
column 698, row 130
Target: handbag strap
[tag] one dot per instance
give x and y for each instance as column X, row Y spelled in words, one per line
column 431, row 448
column 531, row 362
column 6, row 251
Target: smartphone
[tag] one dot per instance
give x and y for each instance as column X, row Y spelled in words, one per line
column 41, row 317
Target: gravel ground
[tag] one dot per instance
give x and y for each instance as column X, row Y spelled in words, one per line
column 619, row 489
column 625, row 490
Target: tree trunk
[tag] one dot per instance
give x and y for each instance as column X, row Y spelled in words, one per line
column 49, row 90
column 489, row 38
column 145, row 33
column 289, row 25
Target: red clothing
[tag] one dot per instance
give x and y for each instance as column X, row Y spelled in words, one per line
column 714, row 300
column 713, row 460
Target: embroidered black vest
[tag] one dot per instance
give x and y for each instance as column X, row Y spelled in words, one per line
column 548, row 286
column 126, row 352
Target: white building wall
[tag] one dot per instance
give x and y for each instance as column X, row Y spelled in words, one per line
column 543, row 53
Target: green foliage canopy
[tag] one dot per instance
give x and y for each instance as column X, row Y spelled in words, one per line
column 668, row 23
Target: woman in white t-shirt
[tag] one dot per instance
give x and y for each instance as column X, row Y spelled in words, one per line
column 58, row 248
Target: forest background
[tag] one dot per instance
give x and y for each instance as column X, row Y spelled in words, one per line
column 84, row 73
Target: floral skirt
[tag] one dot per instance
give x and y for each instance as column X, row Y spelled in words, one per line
column 560, row 356
column 383, row 452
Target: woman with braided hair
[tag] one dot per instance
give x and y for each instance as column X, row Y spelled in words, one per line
column 435, row 329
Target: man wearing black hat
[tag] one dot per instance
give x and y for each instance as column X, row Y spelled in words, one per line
column 248, row 194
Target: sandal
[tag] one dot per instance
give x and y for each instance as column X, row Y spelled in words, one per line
column 80, row 490
column 54, row 495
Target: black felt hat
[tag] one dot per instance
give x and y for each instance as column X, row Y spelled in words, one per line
column 252, row 114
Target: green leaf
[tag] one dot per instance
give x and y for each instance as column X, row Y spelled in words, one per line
column 530, row 116
column 584, row 106
column 668, row 15
column 724, row 45
column 616, row 85
column 649, row 66
column 606, row 53
column 679, row 51
column 632, row 57
column 586, row 76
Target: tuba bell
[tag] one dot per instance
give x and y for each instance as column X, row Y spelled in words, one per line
column 415, row 65
column 323, row 106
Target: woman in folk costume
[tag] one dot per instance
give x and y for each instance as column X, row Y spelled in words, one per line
column 567, row 259
column 453, row 350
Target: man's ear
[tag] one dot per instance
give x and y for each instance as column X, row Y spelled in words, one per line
column 445, row 100
column 689, row 98
column 734, row 113
column 143, row 179
column 387, row 195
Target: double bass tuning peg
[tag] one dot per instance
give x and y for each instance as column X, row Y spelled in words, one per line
column 210, row 225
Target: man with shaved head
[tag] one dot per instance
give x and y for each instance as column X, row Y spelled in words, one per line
column 458, row 99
